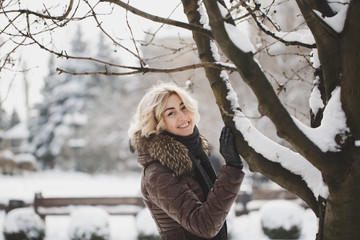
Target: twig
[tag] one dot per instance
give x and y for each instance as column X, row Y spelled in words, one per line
column 151, row 17
column 144, row 70
column 107, row 34
column 270, row 33
column 142, row 63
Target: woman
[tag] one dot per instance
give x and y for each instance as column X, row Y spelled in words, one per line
column 179, row 186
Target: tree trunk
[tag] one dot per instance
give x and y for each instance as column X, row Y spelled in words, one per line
column 342, row 214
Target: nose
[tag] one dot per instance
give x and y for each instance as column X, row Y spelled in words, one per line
column 182, row 116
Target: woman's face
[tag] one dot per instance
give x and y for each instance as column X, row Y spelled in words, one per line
column 178, row 119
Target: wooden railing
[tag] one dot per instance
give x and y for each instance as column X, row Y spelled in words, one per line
column 44, row 206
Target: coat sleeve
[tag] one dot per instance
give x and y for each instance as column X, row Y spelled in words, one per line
column 176, row 199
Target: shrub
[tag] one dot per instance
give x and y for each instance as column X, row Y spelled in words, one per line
column 89, row 223
column 281, row 219
column 23, row 224
column 146, row 227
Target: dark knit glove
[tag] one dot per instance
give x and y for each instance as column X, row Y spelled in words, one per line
column 228, row 150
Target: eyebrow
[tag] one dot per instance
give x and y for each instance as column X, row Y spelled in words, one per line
column 171, row 108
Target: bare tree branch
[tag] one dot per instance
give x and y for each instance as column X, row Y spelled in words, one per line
column 144, row 70
column 138, row 12
column 327, row 41
column 8, row 55
column 269, row 104
column 162, row 25
column 48, row 16
column 108, row 35
column 142, row 63
column 270, row 33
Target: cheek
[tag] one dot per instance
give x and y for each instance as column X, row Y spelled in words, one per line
column 167, row 123
column 191, row 116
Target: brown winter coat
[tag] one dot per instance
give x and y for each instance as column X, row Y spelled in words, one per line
column 174, row 197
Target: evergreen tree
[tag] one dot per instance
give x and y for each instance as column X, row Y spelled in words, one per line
column 63, row 108
column 4, row 120
column 15, row 120
column 104, row 136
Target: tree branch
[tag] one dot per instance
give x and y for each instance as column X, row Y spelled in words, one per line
column 270, row 33
column 138, row 12
column 269, row 104
column 108, row 35
column 144, row 70
column 257, row 162
column 58, row 18
column 327, row 42
column 274, row 171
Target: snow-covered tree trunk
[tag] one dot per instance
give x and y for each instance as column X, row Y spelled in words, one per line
column 323, row 171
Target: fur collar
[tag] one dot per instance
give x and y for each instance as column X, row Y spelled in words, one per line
column 169, row 152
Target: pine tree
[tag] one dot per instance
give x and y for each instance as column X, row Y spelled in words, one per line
column 14, row 119
column 4, row 119
column 63, row 108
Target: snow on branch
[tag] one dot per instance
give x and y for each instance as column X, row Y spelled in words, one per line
column 332, row 124
column 240, row 40
column 273, row 151
column 337, row 21
column 315, row 100
column 204, row 19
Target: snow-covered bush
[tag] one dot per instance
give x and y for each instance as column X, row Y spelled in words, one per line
column 281, row 219
column 25, row 162
column 89, row 223
column 23, row 224
column 7, row 162
column 146, row 227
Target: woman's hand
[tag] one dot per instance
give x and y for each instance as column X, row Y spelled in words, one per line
column 228, row 150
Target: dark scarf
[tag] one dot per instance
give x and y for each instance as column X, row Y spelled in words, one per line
column 204, row 171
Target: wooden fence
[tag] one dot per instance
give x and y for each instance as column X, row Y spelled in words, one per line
column 44, row 206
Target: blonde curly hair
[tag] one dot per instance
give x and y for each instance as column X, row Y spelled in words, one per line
column 148, row 118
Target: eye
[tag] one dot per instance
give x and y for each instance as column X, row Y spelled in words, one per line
column 170, row 114
column 183, row 107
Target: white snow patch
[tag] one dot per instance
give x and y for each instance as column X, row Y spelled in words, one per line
column 77, row 143
column 240, row 40
column 315, row 100
column 68, row 184
column 24, row 219
column 333, row 123
column 281, row 213
column 19, row 131
column 77, row 118
column 7, row 154
column 86, row 221
column 204, row 20
column 215, row 51
column 306, row 37
column 336, row 22
column 315, row 58
column 25, row 157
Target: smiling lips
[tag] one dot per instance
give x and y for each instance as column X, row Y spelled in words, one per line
column 184, row 125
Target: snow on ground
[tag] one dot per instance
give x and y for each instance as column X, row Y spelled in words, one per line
column 70, row 184
column 67, row 184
